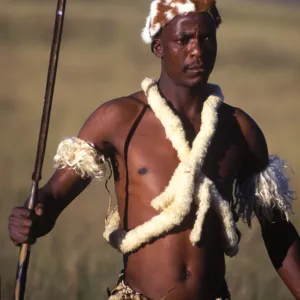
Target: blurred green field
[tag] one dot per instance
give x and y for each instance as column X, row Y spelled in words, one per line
column 102, row 57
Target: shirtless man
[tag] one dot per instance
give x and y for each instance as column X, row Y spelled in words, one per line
column 169, row 259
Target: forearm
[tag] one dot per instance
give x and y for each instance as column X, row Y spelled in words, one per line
column 290, row 270
column 43, row 224
column 283, row 246
column 62, row 188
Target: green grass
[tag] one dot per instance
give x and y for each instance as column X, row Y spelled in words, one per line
column 102, row 57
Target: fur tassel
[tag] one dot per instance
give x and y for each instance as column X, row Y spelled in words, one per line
column 265, row 192
column 82, row 157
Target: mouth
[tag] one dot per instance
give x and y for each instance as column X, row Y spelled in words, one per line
column 196, row 68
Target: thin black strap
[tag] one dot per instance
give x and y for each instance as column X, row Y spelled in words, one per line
column 126, row 147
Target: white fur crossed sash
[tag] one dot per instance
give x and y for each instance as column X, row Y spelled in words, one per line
column 187, row 184
column 268, row 189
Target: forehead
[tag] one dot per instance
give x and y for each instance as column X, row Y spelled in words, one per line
column 201, row 22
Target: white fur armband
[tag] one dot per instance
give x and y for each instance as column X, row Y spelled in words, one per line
column 267, row 190
column 82, row 157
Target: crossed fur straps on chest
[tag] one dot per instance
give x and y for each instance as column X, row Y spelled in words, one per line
column 187, row 184
column 265, row 191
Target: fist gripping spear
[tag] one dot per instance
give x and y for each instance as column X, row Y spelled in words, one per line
column 41, row 147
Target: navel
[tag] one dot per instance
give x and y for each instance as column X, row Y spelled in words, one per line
column 184, row 273
column 143, row 171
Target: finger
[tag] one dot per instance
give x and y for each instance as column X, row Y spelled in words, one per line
column 18, row 229
column 21, row 211
column 39, row 209
column 19, row 238
column 23, row 230
column 13, row 221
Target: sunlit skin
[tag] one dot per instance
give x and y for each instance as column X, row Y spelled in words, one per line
column 170, row 266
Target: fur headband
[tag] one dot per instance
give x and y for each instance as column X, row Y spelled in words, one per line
column 163, row 11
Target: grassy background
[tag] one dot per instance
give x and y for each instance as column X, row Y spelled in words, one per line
column 102, row 57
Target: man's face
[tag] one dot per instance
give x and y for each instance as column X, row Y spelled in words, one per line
column 189, row 48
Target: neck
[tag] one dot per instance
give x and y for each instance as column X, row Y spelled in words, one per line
column 185, row 99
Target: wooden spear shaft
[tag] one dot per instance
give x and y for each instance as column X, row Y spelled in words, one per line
column 42, row 140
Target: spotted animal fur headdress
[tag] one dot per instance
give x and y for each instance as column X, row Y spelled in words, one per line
column 163, row 11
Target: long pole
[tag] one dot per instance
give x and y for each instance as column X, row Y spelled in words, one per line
column 41, row 146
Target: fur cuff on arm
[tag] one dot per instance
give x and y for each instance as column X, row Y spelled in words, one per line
column 82, row 157
column 265, row 191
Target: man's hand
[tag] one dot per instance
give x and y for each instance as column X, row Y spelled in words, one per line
column 22, row 224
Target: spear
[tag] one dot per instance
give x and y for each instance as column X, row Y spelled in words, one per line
column 41, row 145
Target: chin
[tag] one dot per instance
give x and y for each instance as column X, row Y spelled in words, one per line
column 196, row 81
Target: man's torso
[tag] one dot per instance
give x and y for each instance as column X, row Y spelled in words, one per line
column 143, row 162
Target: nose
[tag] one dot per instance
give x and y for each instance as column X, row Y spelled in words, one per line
column 196, row 48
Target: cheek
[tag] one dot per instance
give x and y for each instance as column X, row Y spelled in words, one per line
column 210, row 54
column 212, row 49
column 175, row 59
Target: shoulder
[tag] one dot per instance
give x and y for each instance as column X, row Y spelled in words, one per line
column 109, row 116
column 120, row 108
column 257, row 154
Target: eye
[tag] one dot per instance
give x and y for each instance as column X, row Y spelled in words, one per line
column 183, row 40
column 208, row 38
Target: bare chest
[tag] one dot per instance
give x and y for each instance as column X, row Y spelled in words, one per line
column 146, row 158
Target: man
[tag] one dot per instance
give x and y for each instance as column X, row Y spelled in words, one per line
column 178, row 155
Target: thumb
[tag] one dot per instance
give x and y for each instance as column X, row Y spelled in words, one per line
column 39, row 209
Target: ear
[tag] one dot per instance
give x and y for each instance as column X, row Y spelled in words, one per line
column 157, row 48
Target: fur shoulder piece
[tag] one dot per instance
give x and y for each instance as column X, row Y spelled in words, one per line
column 82, row 157
column 264, row 192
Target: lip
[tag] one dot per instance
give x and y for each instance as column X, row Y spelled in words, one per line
column 196, row 68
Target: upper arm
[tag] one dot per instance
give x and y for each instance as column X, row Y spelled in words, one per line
column 278, row 234
column 66, row 184
column 256, row 157
column 101, row 125
column 255, row 160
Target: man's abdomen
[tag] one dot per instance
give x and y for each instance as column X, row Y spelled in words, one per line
column 172, row 266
